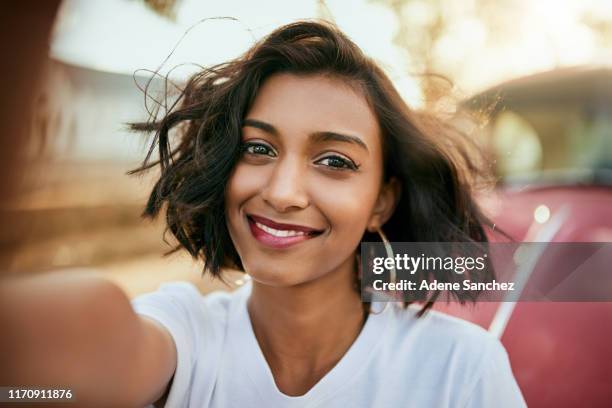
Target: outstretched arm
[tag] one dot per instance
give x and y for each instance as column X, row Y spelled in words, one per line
column 79, row 331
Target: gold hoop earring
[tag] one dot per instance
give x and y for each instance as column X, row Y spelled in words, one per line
column 389, row 251
column 393, row 274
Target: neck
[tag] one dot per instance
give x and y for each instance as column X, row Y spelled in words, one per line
column 309, row 325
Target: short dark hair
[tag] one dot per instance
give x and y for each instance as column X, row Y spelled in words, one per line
column 426, row 155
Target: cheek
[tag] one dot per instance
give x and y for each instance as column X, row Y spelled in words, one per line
column 347, row 204
column 243, row 183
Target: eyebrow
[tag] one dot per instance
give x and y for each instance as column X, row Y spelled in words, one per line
column 320, row 136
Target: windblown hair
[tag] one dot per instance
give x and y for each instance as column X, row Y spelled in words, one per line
column 426, row 155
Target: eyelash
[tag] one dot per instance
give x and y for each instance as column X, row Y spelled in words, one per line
column 347, row 163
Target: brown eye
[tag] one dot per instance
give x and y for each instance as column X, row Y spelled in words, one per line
column 259, row 149
column 338, row 163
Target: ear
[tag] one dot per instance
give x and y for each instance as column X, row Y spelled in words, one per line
column 385, row 204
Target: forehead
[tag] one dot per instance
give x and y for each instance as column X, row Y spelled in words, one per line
column 299, row 104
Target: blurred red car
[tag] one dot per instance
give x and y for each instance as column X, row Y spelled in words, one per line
column 550, row 135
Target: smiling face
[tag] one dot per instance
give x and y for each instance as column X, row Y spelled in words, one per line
column 308, row 183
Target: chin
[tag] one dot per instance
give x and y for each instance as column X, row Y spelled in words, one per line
column 276, row 277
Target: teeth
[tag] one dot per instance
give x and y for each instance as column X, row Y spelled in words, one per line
column 279, row 233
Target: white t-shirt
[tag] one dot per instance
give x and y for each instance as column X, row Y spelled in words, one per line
column 397, row 360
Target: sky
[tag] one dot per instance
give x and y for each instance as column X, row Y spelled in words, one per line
column 124, row 36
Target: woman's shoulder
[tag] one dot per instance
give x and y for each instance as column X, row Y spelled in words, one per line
column 184, row 310
column 445, row 321
column 197, row 324
column 472, row 362
column 186, row 295
column 437, row 324
column 443, row 335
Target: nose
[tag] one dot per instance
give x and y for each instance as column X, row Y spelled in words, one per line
column 285, row 189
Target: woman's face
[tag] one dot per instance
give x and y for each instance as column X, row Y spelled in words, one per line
column 312, row 157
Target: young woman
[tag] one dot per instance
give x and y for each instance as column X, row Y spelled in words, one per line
column 280, row 163
column 287, row 158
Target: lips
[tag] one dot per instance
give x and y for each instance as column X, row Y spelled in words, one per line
column 284, row 227
column 278, row 235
